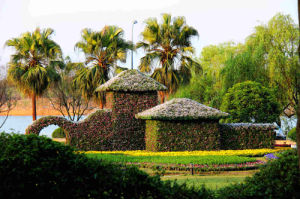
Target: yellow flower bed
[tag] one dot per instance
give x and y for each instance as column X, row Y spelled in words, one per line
column 249, row 152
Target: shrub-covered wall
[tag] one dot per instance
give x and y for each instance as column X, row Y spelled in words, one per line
column 247, row 136
column 93, row 133
column 115, row 129
column 129, row 132
column 182, row 135
column 206, row 135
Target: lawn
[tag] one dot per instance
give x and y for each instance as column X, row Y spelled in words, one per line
column 186, row 160
column 212, row 181
column 215, row 169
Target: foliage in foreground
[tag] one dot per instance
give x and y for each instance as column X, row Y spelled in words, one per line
column 278, row 179
column 36, row 167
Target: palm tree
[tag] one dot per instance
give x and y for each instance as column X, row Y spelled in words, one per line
column 33, row 66
column 169, row 44
column 102, row 50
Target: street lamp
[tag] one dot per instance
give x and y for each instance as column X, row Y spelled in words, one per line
column 134, row 22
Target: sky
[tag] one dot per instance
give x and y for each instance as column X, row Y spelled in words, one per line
column 217, row 21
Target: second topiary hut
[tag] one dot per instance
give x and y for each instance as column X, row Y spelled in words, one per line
column 182, row 124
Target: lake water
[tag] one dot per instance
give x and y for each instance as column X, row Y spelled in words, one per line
column 18, row 124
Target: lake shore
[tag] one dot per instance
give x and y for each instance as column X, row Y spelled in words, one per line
column 44, row 108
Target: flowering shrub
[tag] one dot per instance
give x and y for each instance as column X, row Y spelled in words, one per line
column 182, row 135
column 247, row 136
column 248, row 152
column 270, row 156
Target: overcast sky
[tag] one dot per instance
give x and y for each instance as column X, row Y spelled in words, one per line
column 217, row 21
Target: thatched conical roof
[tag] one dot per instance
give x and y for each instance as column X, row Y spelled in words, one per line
column 131, row 80
column 181, row 109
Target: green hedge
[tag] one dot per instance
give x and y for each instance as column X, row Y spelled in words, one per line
column 247, row 136
column 93, row 133
column 129, row 132
column 36, row 167
column 115, row 129
column 278, row 179
column 182, row 135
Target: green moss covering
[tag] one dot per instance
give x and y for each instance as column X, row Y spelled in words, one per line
column 182, row 135
column 247, row 136
column 129, row 132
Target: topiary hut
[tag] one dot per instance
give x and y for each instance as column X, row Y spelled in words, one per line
column 127, row 94
column 182, row 124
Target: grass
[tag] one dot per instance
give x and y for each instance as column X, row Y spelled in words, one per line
column 201, row 160
column 211, row 181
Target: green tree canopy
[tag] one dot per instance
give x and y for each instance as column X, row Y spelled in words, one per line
column 102, row 50
column 268, row 56
column 250, row 102
column 279, row 41
column 33, row 65
column 169, row 44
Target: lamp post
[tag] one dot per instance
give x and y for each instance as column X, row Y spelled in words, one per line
column 134, row 22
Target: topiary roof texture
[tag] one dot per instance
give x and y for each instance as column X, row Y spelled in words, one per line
column 181, row 109
column 131, row 80
column 259, row 126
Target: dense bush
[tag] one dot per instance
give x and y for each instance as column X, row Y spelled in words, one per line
column 58, row 133
column 250, row 101
column 36, row 167
column 182, row 135
column 292, row 134
column 129, row 132
column 278, row 179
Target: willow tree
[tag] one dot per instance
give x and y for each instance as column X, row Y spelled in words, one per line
column 169, row 44
column 33, row 65
column 278, row 40
column 102, row 51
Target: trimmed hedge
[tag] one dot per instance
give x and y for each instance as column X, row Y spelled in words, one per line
column 206, row 135
column 129, row 132
column 182, row 135
column 34, row 166
column 247, row 136
column 93, row 133
column 115, row 129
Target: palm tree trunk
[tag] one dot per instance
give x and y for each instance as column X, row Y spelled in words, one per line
column 298, row 132
column 101, row 103
column 162, row 96
column 33, row 99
